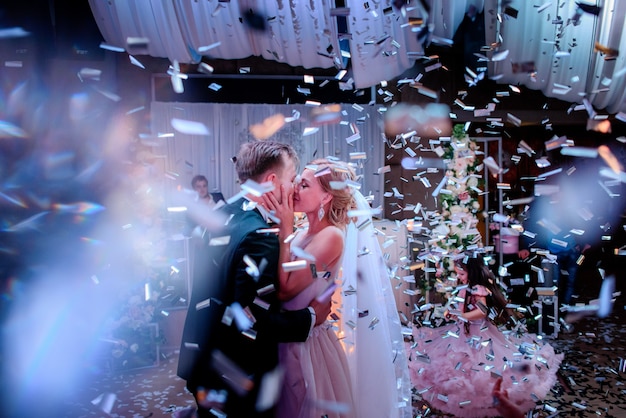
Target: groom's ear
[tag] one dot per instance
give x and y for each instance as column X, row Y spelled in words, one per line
column 270, row 176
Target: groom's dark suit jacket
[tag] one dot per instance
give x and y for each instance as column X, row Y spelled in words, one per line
column 224, row 280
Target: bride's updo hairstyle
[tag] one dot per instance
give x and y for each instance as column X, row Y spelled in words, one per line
column 342, row 201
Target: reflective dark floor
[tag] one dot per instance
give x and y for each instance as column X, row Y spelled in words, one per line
column 592, row 376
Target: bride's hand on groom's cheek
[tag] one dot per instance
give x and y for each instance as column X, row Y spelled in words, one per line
column 281, row 205
column 276, row 201
column 285, row 197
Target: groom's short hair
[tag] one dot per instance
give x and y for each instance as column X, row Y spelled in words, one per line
column 256, row 158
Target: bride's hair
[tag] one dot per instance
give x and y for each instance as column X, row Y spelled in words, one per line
column 342, row 200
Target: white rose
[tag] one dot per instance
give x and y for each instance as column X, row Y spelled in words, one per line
column 441, row 229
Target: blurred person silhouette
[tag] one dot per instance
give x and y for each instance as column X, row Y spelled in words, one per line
column 198, row 219
column 200, row 185
column 566, row 220
column 547, row 227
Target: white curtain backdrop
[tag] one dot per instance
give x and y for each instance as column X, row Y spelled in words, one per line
column 567, row 66
column 188, row 155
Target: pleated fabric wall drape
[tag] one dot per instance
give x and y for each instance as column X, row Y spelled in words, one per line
column 228, row 124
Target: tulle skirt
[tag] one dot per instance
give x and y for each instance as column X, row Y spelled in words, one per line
column 317, row 379
column 455, row 372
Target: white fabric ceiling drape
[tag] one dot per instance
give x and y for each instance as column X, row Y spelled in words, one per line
column 382, row 44
column 562, row 53
column 187, row 155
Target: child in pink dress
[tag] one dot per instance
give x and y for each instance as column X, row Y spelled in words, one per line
column 454, row 367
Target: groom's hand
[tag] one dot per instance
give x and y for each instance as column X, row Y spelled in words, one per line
column 322, row 310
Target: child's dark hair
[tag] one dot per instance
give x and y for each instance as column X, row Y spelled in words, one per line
column 478, row 273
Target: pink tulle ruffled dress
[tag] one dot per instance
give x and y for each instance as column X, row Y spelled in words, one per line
column 455, row 371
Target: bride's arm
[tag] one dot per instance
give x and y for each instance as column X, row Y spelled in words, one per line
column 326, row 247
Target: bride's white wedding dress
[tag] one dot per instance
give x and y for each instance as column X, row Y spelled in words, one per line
column 370, row 325
column 353, row 366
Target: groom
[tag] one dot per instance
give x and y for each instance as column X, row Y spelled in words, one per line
column 234, row 322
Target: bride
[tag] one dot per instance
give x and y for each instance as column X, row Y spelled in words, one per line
column 354, row 365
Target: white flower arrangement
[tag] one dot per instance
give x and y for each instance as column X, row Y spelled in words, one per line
column 459, row 203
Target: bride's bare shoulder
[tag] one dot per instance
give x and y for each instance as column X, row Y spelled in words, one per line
column 330, row 232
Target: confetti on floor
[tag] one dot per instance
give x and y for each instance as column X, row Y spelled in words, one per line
column 592, row 380
column 151, row 392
